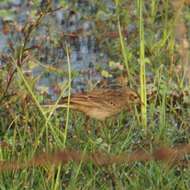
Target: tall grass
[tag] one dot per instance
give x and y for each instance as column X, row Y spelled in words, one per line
column 142, row 60
column 69, row 93
column 34, row 129
column 44, row 116
column 124, row 50
column 142, row 66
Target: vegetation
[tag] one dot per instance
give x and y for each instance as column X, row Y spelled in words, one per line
column 155, row 56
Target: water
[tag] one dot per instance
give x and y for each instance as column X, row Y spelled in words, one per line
column 72, row 25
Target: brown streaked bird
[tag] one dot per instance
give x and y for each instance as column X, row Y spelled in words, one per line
column 102, row 103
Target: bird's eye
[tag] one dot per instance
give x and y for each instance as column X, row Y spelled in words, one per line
column 134, row 97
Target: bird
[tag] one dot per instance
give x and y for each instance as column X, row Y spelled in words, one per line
column 101, row 103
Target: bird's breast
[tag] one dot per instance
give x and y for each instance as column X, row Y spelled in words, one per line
column 100, row 114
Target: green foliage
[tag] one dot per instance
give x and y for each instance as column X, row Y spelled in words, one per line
column 6, row 14
column 148, row 54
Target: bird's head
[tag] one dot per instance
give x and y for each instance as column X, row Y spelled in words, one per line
column 134, row 97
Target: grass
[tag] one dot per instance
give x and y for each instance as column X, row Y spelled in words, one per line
column 163, row 120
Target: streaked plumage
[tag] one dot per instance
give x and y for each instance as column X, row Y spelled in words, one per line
column 102, row 103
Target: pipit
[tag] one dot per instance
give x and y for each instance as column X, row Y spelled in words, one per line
column 102, row 103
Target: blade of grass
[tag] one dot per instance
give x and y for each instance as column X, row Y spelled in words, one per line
column 69, row 94
column 124, row 50
column 142, row 67
column 56, row 185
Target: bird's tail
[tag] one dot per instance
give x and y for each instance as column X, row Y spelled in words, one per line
column 62, row 104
